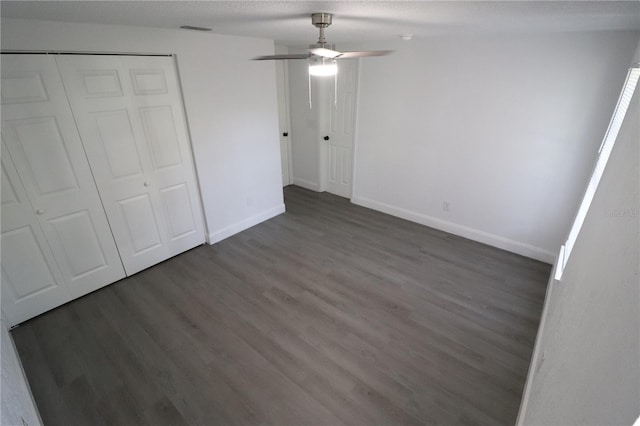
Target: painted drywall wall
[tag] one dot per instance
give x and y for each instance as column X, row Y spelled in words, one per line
column 585, row 368
column 230, row 103
column 18, row 407
column 502, row 127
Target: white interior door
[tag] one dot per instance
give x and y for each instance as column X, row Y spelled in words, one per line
column 42, row 141
column 129, row 113
column 341, row 130
column 283, row 121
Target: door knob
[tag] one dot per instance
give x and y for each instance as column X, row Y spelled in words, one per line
column 39, row 211
column 326, row 138
column 146, row 184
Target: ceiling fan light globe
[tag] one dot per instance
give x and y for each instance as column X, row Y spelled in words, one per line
column 323, row 70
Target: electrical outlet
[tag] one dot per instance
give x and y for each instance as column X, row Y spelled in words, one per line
column 446, row 206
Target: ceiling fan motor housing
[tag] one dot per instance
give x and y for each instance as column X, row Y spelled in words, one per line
column 324, row 45
column 321, row 20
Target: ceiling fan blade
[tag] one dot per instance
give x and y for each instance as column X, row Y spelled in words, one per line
column 280, row 57
column 364, row 53
column 325, row 53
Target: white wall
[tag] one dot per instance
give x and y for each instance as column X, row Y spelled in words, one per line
column 503, row 127
column 230, row 102
column 590, row 338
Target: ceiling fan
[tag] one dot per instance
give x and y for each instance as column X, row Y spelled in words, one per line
column 322, row 55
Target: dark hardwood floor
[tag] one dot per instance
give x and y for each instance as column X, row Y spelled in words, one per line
column 329, row 314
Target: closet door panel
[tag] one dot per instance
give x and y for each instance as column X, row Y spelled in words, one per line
column 158, row 102
column 26, row 269
column 174, row 199
column 48, row 163
column 119, row 161
column 80, row 244
column 136, row 141
column 141, row 225
column 40, row 133
column 160, row 132
column 31, row 280
column 117, row 144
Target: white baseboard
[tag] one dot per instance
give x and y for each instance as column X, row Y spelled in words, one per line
column 463, row 231
column 307, row 184
column 233, row 229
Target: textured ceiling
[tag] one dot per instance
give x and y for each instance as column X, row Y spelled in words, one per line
column 288, row 22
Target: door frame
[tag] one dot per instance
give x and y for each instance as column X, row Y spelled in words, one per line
column 205, row 227
column 283, row 72
column 355, row 130
column 324, row 117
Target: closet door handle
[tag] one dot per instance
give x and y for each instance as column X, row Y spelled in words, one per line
column 146, row 184
column 39, row 211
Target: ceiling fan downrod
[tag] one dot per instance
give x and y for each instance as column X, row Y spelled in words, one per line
column 321, row 21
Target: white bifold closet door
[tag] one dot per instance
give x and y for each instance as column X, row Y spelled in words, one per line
column 129, row 115
column 56, row 241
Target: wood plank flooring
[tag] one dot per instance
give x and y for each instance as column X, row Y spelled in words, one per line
column 329, row 314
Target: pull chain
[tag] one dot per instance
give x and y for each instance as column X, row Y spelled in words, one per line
column 310, row 106
column 335, row 86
